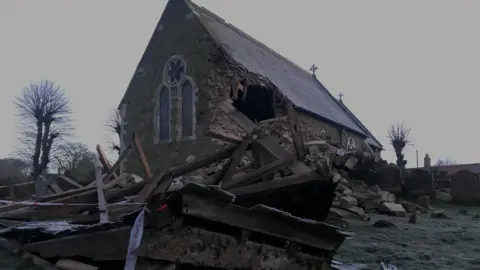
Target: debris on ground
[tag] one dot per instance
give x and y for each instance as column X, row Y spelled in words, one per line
column 463, row 211
column 413, row 218
column 439, row 214
column 383, row 224
column 267, row 195
column 231, row 201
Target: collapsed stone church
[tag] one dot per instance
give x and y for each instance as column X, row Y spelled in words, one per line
column 194, row 61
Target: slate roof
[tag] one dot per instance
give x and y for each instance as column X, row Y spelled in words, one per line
column 298, row 85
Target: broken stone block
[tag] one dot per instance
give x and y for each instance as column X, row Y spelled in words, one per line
column 409, row 207
column 387, row 197
column 359, row 211
column 347, row 191
column 337, row 213
column 359, row 196
column 393, row 209
column 336, row 177
column 443, row 196
column 424, row 201
column 348, row 201
column 413, row 218
column 313, row 150
column 343, row 181
column 197, row 179
column 190, row 159
column 358, row 188
column 383, row 224
column 336, row 203
column 438, row 214
column 375, row 189
column 351, row 162
column 343, row 173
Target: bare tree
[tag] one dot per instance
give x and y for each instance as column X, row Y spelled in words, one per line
column 75, row 160
column 71, row 154
column 399, row 137
column 445, row 162
column 45, row 119
column 114, row 125
column 13, row 168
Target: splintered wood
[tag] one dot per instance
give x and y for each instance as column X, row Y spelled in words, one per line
column 256, row 168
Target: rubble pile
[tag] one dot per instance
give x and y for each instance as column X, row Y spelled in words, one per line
column 244, row 206
column 262, row 181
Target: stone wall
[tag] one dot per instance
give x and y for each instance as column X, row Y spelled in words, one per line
column 176, row 32
column 420, row 182
column 179, row 32
column 313, row 128
column 465, row 187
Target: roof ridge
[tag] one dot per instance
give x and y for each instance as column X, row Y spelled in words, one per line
column 452, row 165
column 236, row 29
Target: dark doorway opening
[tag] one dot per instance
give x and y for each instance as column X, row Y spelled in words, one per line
column 257, row 103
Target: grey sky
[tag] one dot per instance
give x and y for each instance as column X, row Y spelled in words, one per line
column 410, row 61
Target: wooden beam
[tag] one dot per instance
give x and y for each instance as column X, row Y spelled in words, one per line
column 252, row 176
column 205, row 160
column 234, row 161
column 115, row 166
column 150, row 186
column 294, row 125
column 239, row 118
column 70, row 181
column 103, row 158
column 56, row 188
column 141, row 154
column 224, row 136
column 277, row 183
column 102, row 204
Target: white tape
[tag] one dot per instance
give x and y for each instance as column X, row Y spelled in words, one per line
column 56, row 204
column 135, row 241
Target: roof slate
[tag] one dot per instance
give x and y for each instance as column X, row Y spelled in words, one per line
column 298, row 85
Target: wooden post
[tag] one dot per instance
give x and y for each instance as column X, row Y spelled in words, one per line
column 417, row 158
column 11, row 188
column 102, row 204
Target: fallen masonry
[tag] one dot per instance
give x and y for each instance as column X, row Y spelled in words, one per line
column 260, row 202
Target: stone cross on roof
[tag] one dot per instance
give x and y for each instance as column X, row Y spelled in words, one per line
column 313, row 68
column 340, row 95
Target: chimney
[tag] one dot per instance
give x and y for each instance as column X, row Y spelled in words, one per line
column 426, row 161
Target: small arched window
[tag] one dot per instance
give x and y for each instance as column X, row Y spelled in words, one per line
column 351, row 144
column 188, row 110
column 164, row 114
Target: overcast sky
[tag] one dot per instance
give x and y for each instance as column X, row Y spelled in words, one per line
column 411, row 61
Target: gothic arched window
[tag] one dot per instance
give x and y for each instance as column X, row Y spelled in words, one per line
column 164, row 114
column 175, row 98
column 188, row 109
column 351, row 144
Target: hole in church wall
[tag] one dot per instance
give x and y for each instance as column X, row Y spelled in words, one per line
column 255, row 101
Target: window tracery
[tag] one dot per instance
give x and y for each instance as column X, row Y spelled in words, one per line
column 176, row 93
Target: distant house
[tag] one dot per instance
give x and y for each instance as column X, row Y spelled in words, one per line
column 452, row 169
column 194, row 62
